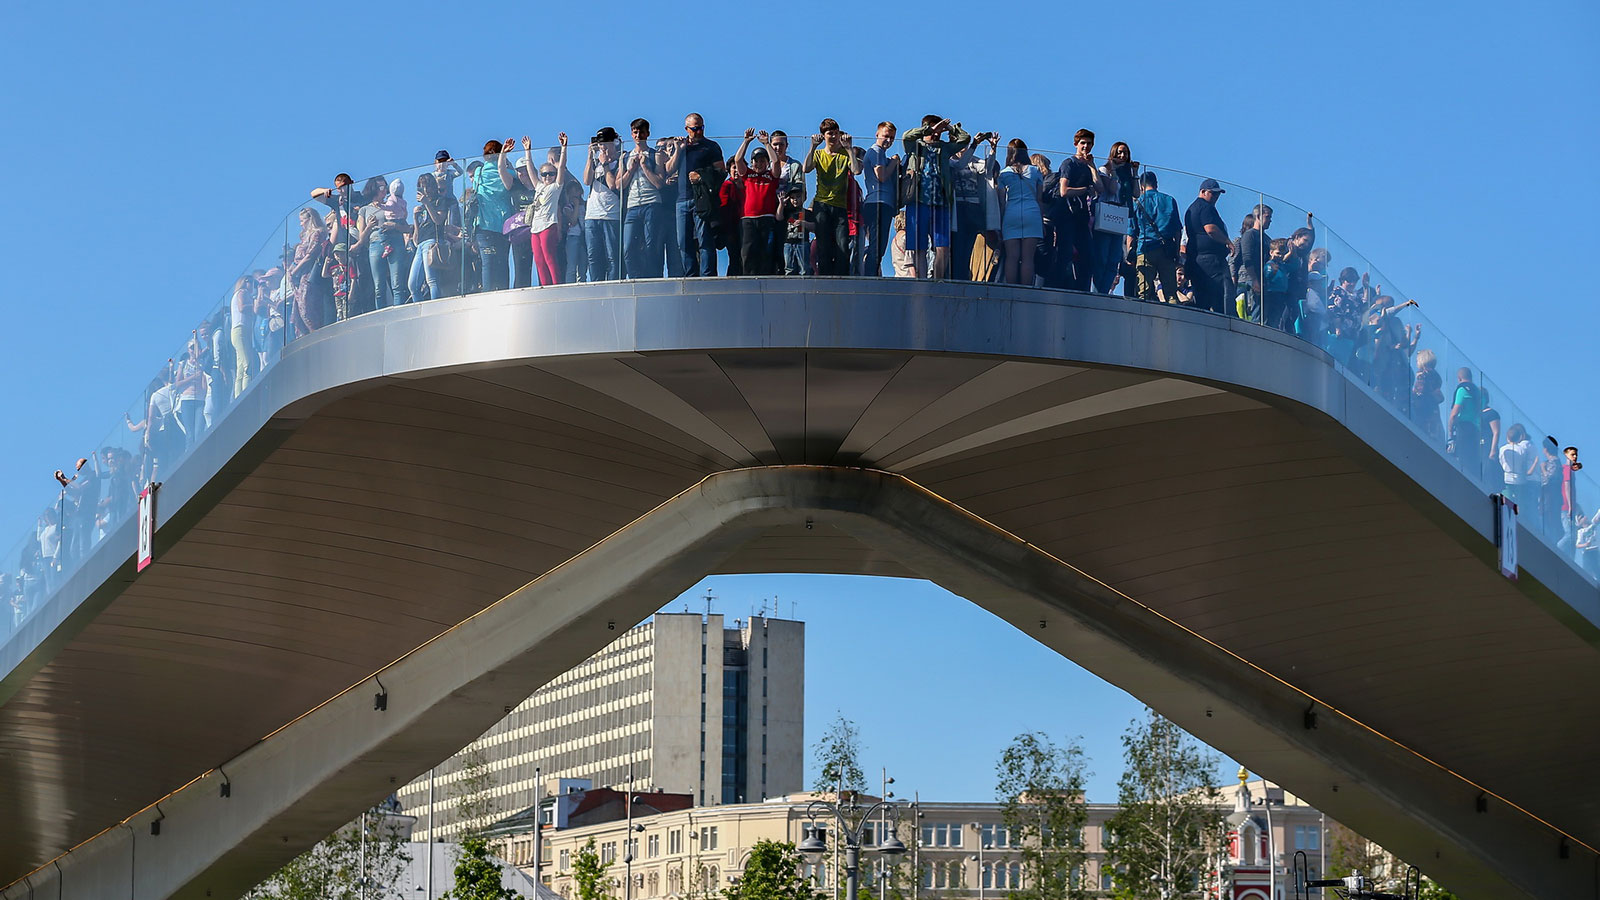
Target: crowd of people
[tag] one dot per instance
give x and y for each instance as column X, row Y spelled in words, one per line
column 932, row 202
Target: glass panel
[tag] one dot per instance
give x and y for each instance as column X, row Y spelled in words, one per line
column 627, row 205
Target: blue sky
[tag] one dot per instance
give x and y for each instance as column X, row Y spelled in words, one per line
column 161, row 144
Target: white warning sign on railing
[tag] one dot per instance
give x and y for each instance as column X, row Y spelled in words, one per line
column 147, row 525
column 1505, row 534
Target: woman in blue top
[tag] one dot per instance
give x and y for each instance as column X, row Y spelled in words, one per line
column 1021, row 222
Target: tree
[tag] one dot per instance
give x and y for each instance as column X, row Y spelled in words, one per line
column 1165, row 838
column 1432, row 890
column 477, row 876
column 473, row 793
column 838, row 755
column 1350, row 852
column 1040, row 788
column 772, row 873
column 334, row 868
column 590, row 874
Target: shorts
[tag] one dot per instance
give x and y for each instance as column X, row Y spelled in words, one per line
column 924, row 222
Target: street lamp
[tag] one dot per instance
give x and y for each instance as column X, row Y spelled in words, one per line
column 851, row 818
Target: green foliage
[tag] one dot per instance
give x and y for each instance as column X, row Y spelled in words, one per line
column 1041, row 788
column 838, row 755
column 1350, row 852
column 1165, row 837
column 473, row 793
column 333, row 869
column 772, row 873
column 477, row 876
column 1431, row 890
column 590, row 874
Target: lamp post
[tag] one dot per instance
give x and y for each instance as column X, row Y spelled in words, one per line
column 983, row 845
column 629, row 840
column 851, row 819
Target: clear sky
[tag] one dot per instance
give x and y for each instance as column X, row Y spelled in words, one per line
column 159, row 145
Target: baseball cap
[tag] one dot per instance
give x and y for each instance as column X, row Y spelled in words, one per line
column 442, row 156
column 1210, row 184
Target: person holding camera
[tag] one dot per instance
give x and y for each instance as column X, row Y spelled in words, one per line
column 602, row 212
column 973, row 176
column 929, row 191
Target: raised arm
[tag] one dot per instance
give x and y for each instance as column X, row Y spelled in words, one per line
column 502, row 162
column 811, row 155
column 561, row 160
column 740, row 167
column 588, row 165
column 855, row 158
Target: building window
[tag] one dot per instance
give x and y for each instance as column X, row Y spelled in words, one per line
column 817, row 874
column 763, row 714
column 566, row 860
column 1306, row 837
column 675, row 841
column 1105, row 877
column 763, row 745
column 763, row 685
column 763, row 657
column 708, row 838
column 608, row 852
column 942, row 834
column 652, row 845
column 941, row 875
column 996, row 836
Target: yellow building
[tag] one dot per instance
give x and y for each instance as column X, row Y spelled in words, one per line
column 961, row 849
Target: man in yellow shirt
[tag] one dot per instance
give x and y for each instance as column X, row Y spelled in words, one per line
column 835, row 163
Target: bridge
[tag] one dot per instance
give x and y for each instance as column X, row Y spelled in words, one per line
column 415, row 517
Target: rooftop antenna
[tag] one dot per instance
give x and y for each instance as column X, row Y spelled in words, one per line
column 709, row 598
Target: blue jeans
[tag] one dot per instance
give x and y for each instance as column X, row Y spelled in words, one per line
column 600, row 243
column 574, row 258
column 1107, row 260
column 386, row 253
column 695, row 243
column 492, row 259
column 797, row 258
column 873, row 236
column 643, row 231
column 423, row 276
column 1569, row 538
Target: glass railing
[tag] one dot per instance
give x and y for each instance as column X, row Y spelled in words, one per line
column 669, row 207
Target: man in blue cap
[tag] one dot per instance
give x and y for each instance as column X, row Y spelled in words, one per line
column 1206, row 259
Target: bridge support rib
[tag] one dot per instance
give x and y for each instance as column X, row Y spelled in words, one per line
column 316, row 773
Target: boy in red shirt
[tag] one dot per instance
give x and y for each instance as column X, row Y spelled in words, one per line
column 758, row 225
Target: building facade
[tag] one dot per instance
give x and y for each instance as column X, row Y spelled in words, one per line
column 961, row 850
column 680, row 703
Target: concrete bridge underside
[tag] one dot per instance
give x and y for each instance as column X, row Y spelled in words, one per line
column 1284, row 543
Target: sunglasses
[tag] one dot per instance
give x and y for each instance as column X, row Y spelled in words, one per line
column 547, row 174
column 695, row 127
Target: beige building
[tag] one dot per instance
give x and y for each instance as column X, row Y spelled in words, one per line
column 961, row 849
column 681, row 702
